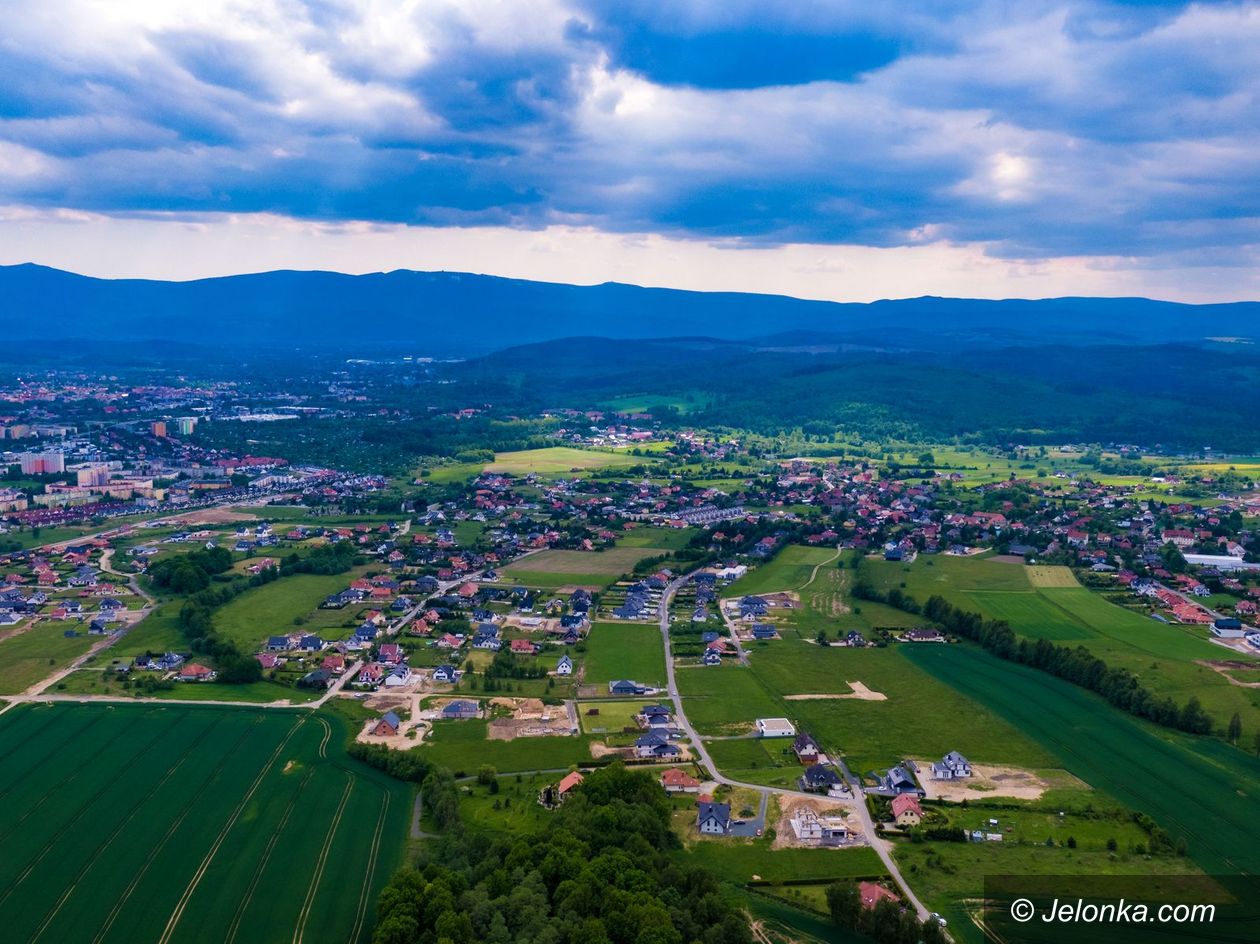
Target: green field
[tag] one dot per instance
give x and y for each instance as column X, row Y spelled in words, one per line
column 38, row 652
column 790, row 569
column 556, row 568
column 920, row 717
column 186, row 824
column 739, row 861
column 1166, row 657
column 1193, row 787
column 561, row 459
column 270, row 609
column 462, row 746
column 624, row 651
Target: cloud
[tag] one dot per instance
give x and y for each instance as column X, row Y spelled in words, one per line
column 1033, row 129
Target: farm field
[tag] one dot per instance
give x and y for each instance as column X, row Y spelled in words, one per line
column 727, row 699
column 624, row 651
column 1166, row 657
column 129, row 822
column 270, row 609
column 826, row 606
column 1190, row 786
column 37, row 652
column 659, row 539
column 561, row 459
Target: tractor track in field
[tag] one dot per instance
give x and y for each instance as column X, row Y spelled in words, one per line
column 82, row 811
column 70, row 779
column 365, row 893
column 178, row 911
column 118, row 830
column 55, row 747
column 304, row 915
column 166, row 837
column 266, row 857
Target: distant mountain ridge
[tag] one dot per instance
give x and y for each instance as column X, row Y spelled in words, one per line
column 452, row 312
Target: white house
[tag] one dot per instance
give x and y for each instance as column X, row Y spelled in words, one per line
column 564, row 666
column 714, row 819
column 953, row 766
column 775, row 728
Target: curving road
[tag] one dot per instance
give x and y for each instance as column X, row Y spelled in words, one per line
column 855, row 801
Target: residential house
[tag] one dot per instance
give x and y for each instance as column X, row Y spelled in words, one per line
column 387, row 726
column 564, row 666
column 953, row 766
column 675, row 780
column 196, row 672
column 775, row 727
column 906, row 812
column 806, row 749
column 820, row 778
column 460, row 710
column 446, row 673
column 713, row 819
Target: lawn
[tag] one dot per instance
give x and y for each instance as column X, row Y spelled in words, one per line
column 271, row 609
column 624, row 651
column 659, row 539
column 613, row 715
column 190, row 824
column 38, row 652
column 561, row 459
column 1190, row 786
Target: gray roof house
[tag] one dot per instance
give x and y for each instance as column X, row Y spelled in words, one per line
column 713, row 819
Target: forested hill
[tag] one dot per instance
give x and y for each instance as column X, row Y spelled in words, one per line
column 1181, row 396
column 449, row 312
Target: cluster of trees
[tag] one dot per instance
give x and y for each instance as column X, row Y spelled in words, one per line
column 437, row 786
column 324, row 559
column 1074, row 664
column 191, row 572
column 504, row 665
column 600, row 873
column 887, row 923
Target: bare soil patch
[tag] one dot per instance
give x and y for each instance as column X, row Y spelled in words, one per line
column 788, row 804
column 529, row 718
column 986, row 781
column 1224, row 667
column 860, row 692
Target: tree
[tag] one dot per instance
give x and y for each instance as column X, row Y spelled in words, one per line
column 1235, row 728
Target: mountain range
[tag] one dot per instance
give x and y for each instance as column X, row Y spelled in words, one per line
column 455, row 313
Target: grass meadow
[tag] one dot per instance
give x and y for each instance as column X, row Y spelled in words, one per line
column 37, row 652
column 185, row 824
column 790, row 569
column 462, row 747
column 561, row 459
column 271, row 609
column 624, row 651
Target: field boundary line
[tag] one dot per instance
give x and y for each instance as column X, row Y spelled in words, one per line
column 166, row 837
column 178, row 912
column 266, row 857
column 82, row 811
column 365, row 892
column 126, row 821
column 304, row 915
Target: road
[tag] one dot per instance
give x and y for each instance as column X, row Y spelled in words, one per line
column 856, row 802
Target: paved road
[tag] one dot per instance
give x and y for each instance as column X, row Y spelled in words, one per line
column 856, row 802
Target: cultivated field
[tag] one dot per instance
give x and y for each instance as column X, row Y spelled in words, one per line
column 1191, row 787
column 180, row 824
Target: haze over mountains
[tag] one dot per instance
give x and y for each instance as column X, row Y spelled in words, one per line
column 460, row 313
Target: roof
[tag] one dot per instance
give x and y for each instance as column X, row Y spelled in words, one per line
column 872, row 894
column 391, row 718
column 569, row 781
column 675, row 777
column 719, row 811
column 905, row 802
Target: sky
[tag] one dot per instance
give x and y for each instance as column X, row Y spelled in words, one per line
column 841, row 150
